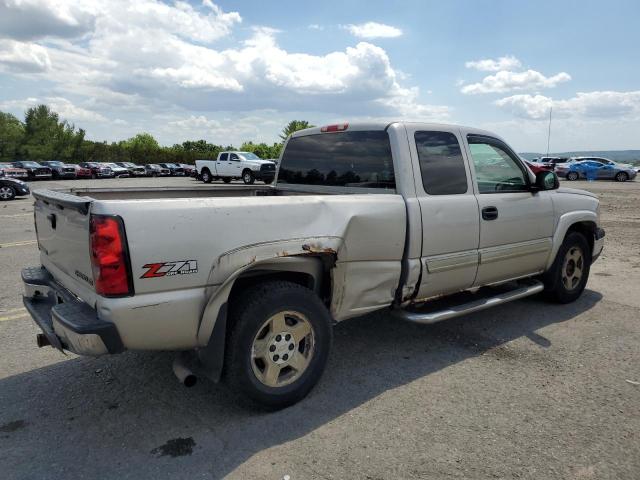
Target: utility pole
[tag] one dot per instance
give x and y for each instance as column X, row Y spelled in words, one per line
column 549, row 132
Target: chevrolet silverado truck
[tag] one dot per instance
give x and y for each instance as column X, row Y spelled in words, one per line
column 229, row 165
column 426, row 221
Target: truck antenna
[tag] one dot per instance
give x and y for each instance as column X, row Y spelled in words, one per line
column 549, row 132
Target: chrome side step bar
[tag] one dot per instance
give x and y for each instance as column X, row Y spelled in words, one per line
column 531, row 288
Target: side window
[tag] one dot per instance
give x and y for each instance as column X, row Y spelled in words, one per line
column 496, row 169
column 441, row 163
column 235, row 158
column 224, row 157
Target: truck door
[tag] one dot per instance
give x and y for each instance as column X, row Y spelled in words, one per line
column 235, row 165
column 222, row 167
column 516, row 225
column 449, row 209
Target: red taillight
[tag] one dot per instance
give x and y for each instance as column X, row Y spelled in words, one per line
column 339, row 127
column 109, row 256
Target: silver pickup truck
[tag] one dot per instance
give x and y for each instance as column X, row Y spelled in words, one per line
column 427, row 221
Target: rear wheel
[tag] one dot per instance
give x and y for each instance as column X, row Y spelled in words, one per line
column 566, row 279
column 621, row 177
column 206, row 176
column 247, row 177
column 279, row 344
column 7, row 193
column 572, row 176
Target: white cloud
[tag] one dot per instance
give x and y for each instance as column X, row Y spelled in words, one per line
column 23, row 57
column 124, row 59
column 315, row 26
column 62, row 106
column 508, row 62
column 585, row 105
column 506, row 81
column 371, row 30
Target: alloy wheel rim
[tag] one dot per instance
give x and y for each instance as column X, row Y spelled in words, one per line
column 282, row 349
column 5, row 192
column 572, row 268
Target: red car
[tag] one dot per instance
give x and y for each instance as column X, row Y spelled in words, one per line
column 538, row 167
column 82, row 172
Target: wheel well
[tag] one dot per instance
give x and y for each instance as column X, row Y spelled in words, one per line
column 206, row 169
column 587, row 229
column 246, row 170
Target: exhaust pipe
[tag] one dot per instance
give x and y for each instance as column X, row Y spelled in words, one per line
column 42, row 340
column 183, row 373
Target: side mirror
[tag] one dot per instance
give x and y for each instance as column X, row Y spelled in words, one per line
column 546, row 181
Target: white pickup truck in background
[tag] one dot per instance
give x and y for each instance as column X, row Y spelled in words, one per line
column 427, row 221
column 230, row 165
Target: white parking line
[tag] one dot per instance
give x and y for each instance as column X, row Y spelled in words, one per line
column 18, row 244
column 14, row 314
column 17, row 215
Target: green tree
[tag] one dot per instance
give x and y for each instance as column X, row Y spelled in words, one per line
column 11, row 136
column 141, row 148
column 294, row 126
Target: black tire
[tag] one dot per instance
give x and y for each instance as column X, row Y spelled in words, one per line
column 206, row 176
column 7, row 192
column 573, row 176
column 226, row 179
column 94, row 176
column 268, row 181
column 154, row 174
column 621, row 177
column 247, row 317
column 248, row 178
column 555, row 288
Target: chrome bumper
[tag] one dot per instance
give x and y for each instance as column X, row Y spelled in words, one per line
column 66, row 322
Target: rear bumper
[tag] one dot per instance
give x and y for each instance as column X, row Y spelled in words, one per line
column 598, row 244
column 66, row 322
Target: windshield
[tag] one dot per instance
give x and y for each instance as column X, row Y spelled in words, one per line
column 31, row 164
column 250, row 156
column 55, row 164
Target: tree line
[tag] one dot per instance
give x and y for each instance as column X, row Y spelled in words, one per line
column 43, row 135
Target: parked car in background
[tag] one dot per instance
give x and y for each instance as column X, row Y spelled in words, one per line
column 552, row 161
column 134, row 170
column 8, row 170
column 595, row 168
column 60, row 170
column 229, row 165
column 117, row 170
column 175, row 170
column 538, row 167
column 98, row 170
column 155, row 170
column 189, row 170
column 35, row 171
column 11, row 188
column 82, row 172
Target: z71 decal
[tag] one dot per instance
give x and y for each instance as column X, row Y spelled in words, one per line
column 164, row 269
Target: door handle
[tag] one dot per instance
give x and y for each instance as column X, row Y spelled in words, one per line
column 489, row 213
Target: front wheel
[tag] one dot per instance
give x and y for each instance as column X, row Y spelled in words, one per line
column 268, row 181
column 621, row 177
column 568, row 275
column 247, row 177
column 572, row 176
column 279, row 345
column 7, row 193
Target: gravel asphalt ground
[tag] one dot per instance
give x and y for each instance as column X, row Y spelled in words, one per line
column 526, row 390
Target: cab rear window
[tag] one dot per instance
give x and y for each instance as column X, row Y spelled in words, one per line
column 347, row 159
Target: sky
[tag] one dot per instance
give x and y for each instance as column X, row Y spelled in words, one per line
column 229, row 71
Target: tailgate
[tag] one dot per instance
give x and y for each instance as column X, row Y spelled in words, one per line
column 62, row 228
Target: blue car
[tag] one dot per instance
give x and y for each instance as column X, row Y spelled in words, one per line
column 596, row 169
